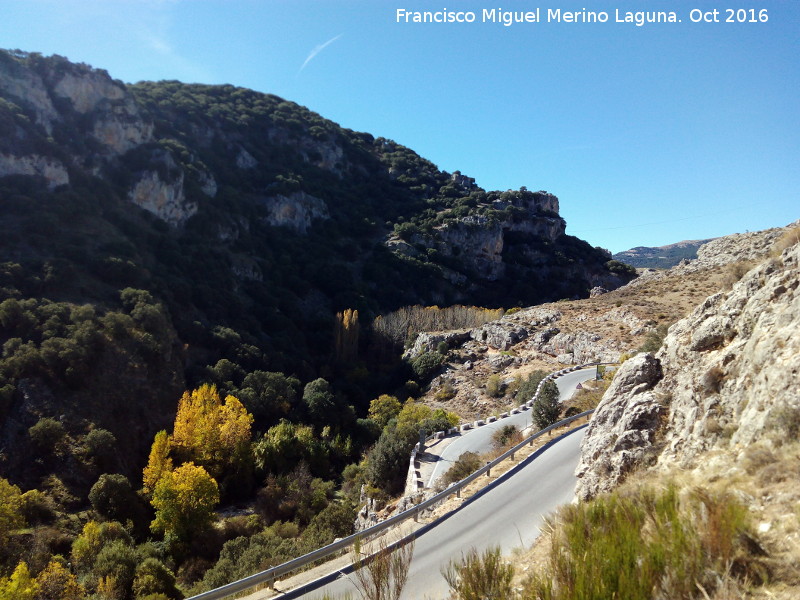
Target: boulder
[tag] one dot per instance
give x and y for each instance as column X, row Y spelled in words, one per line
column 623, row 428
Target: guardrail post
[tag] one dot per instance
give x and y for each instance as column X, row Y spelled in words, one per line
column 416, row 516
column 458, row 493
column 488, row 470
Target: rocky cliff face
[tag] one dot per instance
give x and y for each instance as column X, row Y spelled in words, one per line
column 296, row 211
column 727, row 376
column 258, row 174
column 93, row 124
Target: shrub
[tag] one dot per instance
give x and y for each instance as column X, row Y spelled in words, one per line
column 116, row 564
column 507, row 435
column 36, row 507
column 445, row 392
column 383, row 574
column 57, row 582
column 646, row 544
column 388, row 460
column 527, row 387
column 464, row 466
column 789, row 238
column 712, row 380
column 47, row 434
column 654, row 339
column 153, row 577
column 494, row 386
column 480, row 576
column 113, row 497
column 101, row 445
column 426, row 364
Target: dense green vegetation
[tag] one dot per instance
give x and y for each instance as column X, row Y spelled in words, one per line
column 127, row 341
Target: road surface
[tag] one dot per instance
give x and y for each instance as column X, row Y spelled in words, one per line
column 509, row 514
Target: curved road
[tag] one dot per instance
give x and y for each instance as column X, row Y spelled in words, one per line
column 509, row 514
column 479, row 440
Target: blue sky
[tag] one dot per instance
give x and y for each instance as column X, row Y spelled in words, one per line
column 648, row 135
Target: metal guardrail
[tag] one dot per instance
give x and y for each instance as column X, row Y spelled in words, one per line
column 270, row 575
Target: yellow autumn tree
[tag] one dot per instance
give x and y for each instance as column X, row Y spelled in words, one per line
column 346, row 336
column 383, row 409
column 55, row 581
column 184, row 501
column 210, row 433
column 158, row 463
column 20, row 586
column 10, row 504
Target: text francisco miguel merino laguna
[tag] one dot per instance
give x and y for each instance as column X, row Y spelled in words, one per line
column 550, row 15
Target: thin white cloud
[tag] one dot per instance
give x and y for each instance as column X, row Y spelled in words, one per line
column 317, row 50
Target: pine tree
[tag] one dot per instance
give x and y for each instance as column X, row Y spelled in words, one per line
column 546, row 409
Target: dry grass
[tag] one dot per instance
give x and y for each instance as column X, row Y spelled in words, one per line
column 789, row 238
column 763, row 477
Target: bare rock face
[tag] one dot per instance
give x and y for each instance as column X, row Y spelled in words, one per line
column 500, row 334
column 52, row 170
column 296, row 211
column 731, row 375
column 733, row 366
column 476, row 238
column 165, row 199
column 623, row 427
column 429, row 342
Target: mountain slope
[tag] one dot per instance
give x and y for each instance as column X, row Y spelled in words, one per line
column 162, row 235
column 661, row 257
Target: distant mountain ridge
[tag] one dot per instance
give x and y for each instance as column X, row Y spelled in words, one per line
column 661, row 257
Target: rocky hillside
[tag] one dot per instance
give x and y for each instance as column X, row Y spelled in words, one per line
column 660, row 257
column 726, row 376
column 603, row 328
column 717, row 408
column 158, row 236
column 263, row 180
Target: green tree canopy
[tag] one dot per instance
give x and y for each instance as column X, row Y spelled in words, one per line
column 184, row 501
column 546, row 409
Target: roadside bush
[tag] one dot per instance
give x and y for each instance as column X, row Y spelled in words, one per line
column 508, row 435
column 387, row 461
column 464, row 466
column 527, row 386
column 480, row 576
column 647, row 544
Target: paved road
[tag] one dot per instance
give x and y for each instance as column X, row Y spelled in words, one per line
column 479, row 440
column 507, row 515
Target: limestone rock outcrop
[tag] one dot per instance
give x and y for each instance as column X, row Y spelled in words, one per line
column 730, row 376
column 165, row 199
column 296, row 211
column 623, row 428
column 51, row 169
